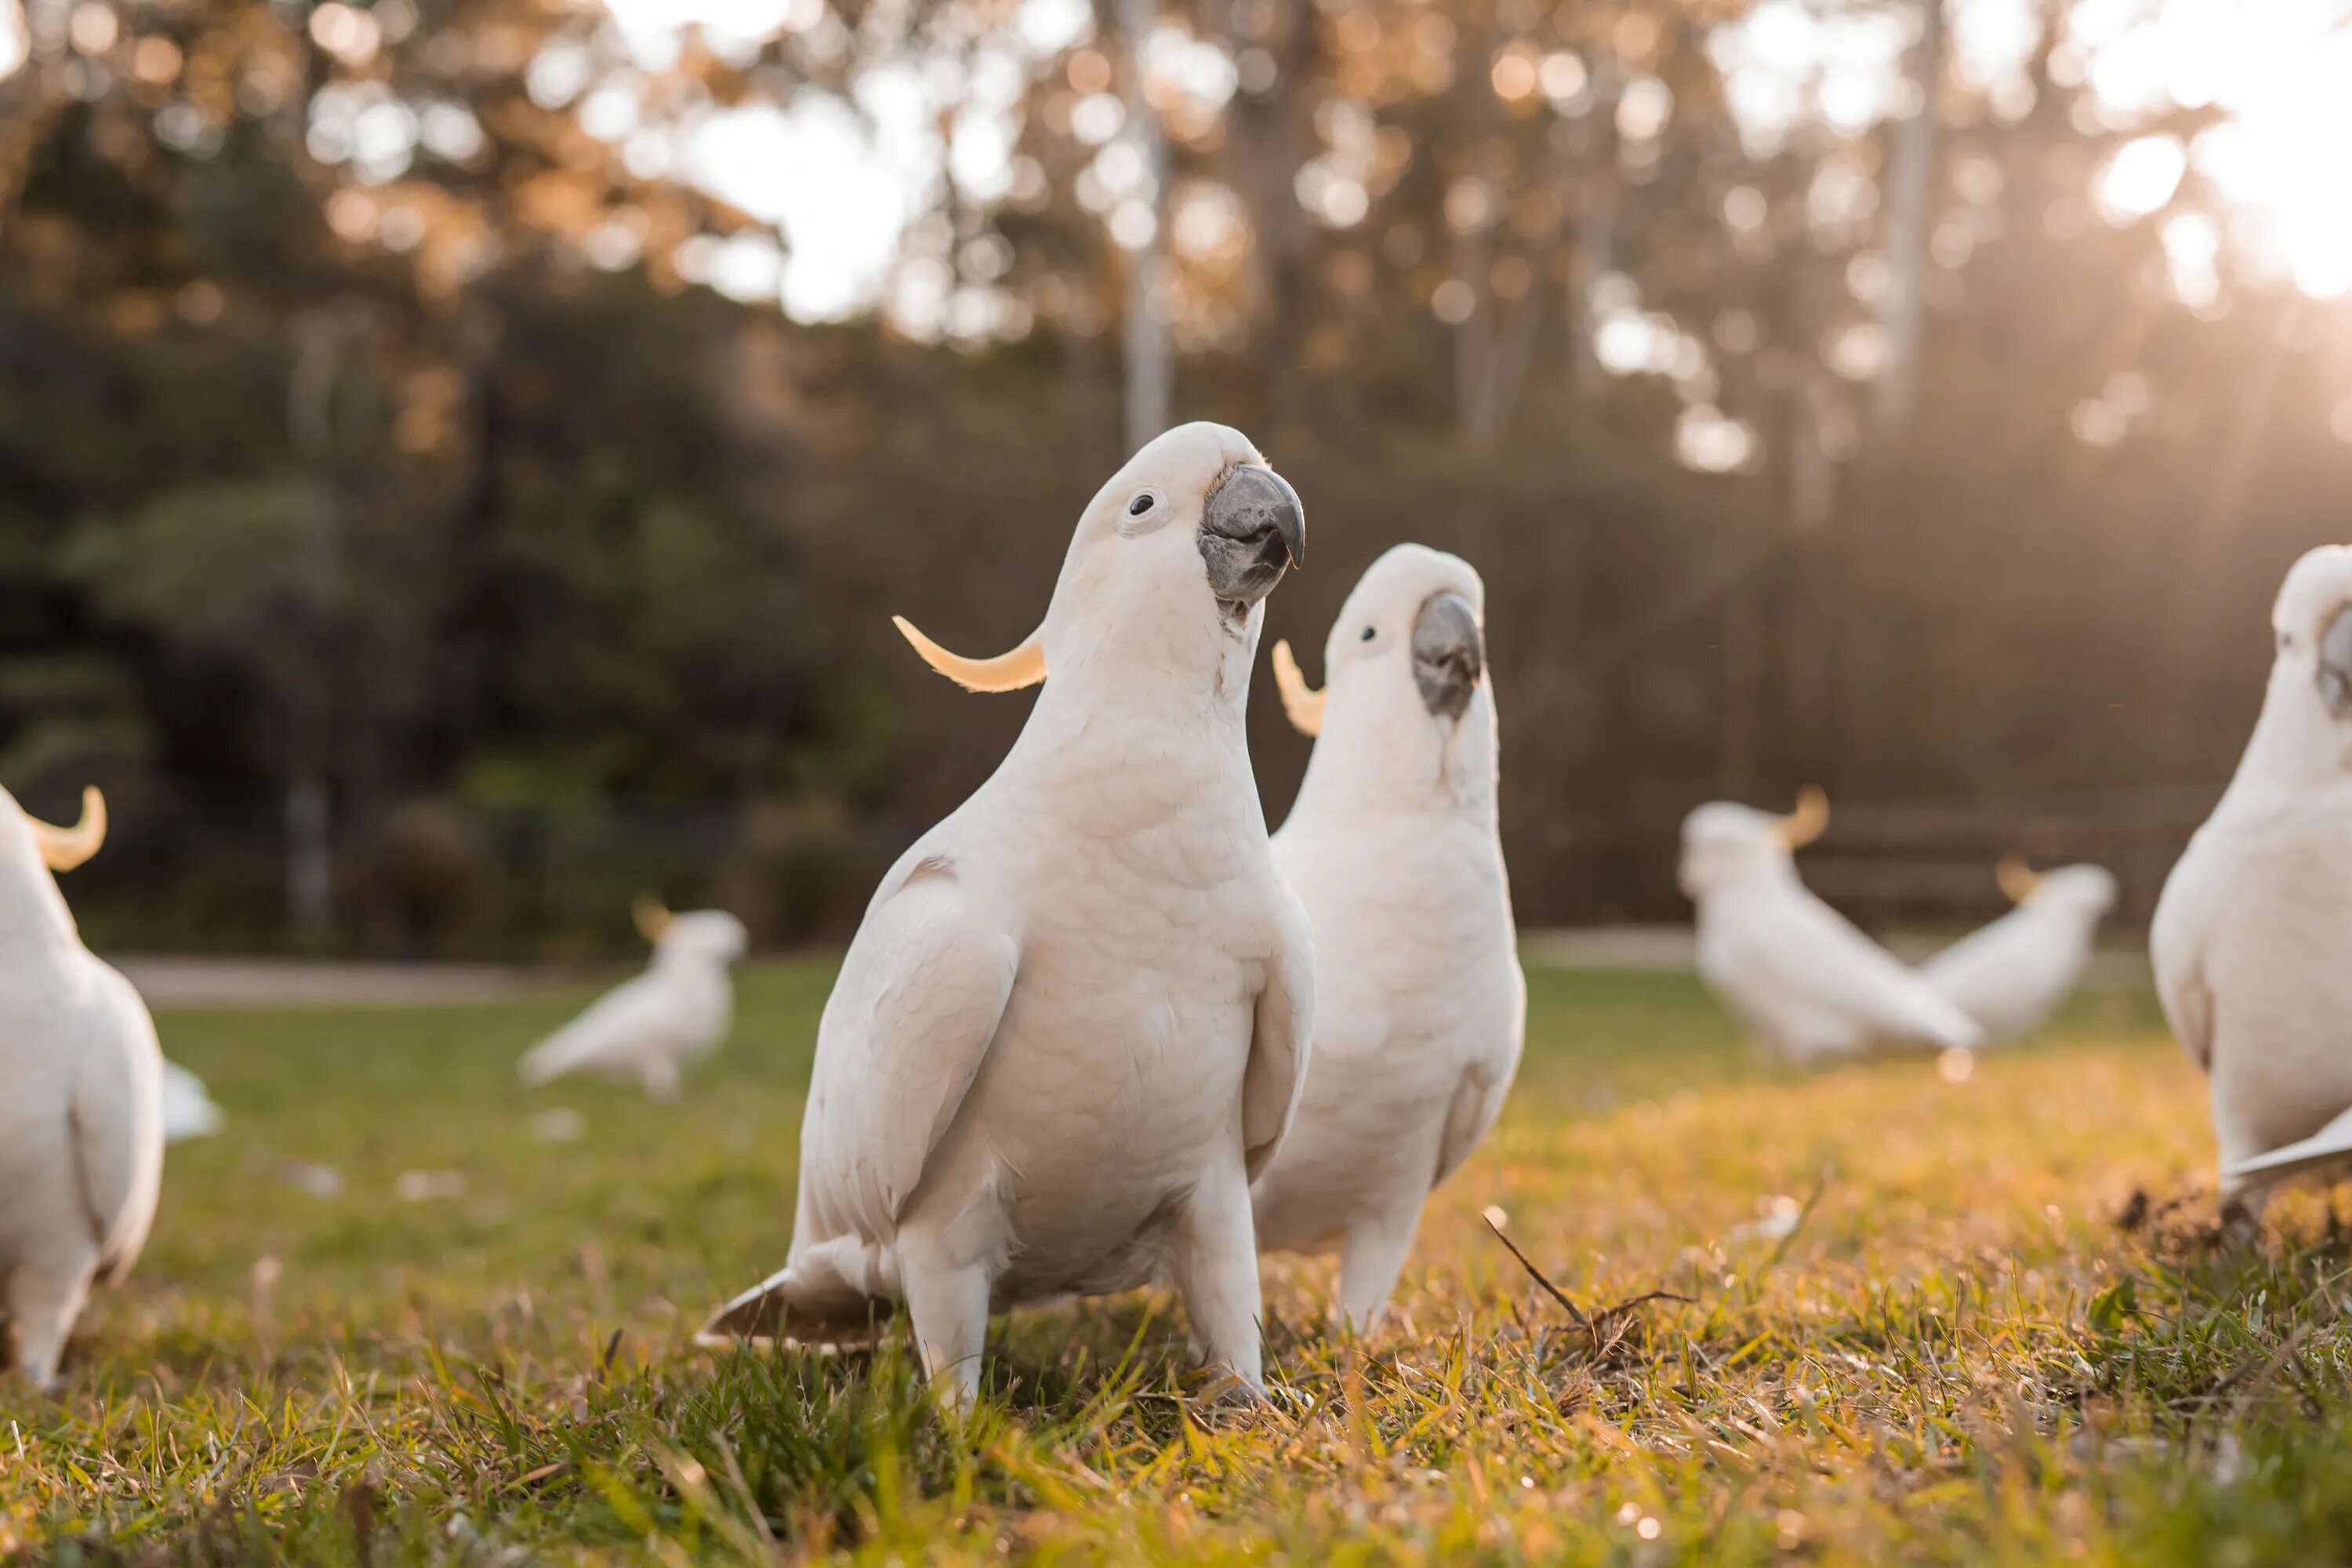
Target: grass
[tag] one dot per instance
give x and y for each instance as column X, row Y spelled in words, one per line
column 1957, row 1354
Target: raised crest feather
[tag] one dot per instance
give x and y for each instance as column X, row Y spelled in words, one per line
column 1024, row 665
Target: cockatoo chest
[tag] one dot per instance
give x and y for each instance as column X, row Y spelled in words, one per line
column 1146, row 930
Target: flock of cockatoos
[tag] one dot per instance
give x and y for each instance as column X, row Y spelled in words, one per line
column 1099, row 1030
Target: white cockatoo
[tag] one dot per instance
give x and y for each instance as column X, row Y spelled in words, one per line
column 1394, row 847
column 1074, row 1023
column 2011, row 975
column 1793, row 968
column 2252, row 937
column 188, row 1108
column 81, row 1114
column 651, row 1027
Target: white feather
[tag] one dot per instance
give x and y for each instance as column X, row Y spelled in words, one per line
column 2012, row 974
column 1076, row 1017
column 679, row 1010
column 1421, row 1008
column 2250, row 935
column 1793, row 969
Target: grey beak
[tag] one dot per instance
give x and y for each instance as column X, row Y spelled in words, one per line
column 2335, row 664
column 1449, row 656
column 1252, row 530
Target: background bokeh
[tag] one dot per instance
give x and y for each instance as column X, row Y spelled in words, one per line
column 457, row 458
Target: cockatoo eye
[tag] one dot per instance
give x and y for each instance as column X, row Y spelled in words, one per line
column 1146, row 511
column 1369, row 633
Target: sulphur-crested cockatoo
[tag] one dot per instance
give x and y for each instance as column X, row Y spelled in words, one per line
column 2011, row 975
column 82, row 1112
column 2252, row 937
column 1793, row 968
column 650, row 1027
column 1420, row 1007
column 1074, row 1023
column 188, row 1108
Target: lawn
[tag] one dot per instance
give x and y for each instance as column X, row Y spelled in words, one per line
column 405, row 1311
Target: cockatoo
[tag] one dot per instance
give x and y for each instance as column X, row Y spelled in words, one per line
column 1794, row 969
column 81, row 1114
column 2253, row 936
column 1419, row 1009
column 2011, row 975
column 649, row 1027
column 188, row 1108
column 1074, row 1023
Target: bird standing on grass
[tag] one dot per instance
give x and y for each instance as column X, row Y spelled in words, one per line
column 82, row 1112
column 1072, row 1025
column 1394, row 847
column 2252, row 937
column 2012, row 974
column 1793, row 968
column 650, row 1027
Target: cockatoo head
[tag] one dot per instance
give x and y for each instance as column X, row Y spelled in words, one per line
column 1409, row 645
column 1725, row 844
column 1171, row 564
column 2087, row 892
column 1406, row 706
column 698, row 936
column 31, row 850
column 2313, row 619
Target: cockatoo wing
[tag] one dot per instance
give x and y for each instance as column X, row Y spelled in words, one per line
column 1478, row 1099
column 2330, row 1147
column 1819, row 957
column 2178, row 943
column 115, row 1113
column 1283, row 1037
column 617, row 1030
column 917, row 1003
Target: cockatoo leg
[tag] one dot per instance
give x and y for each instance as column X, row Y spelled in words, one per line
column 1370, row 1262
column 947, row 1301
column 1215, row 1256
column 44, row 1301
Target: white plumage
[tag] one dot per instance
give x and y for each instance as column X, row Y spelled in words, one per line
column 1393, row 847
column 1073, row 1023
column 1796, row 970
column 2252, row 937
column 81, row 1118
column 188, row 1108
column 2012, row 974
column 650, row 1027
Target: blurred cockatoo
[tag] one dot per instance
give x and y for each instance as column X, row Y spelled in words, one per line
column 1420, row 1007
column 2252, row 937
column 81, row 1114
column 1074, row 1023
column 2011, row 975
column 188, row 1108
column 650, row 1027
column 1794, row 969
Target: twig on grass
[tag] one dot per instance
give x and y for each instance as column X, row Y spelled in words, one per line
column 1590, row 1322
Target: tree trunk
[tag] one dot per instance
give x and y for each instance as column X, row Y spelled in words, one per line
column 1911, row 212
column 1150, row 366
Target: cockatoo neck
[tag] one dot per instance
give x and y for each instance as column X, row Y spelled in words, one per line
column 1137, row 655
column 33, row 914
column 1380, row 751
column 2296, row 747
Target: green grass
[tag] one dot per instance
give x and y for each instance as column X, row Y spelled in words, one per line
column 1957, row 1356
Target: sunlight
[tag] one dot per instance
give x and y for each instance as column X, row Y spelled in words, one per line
column 2280, row 75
